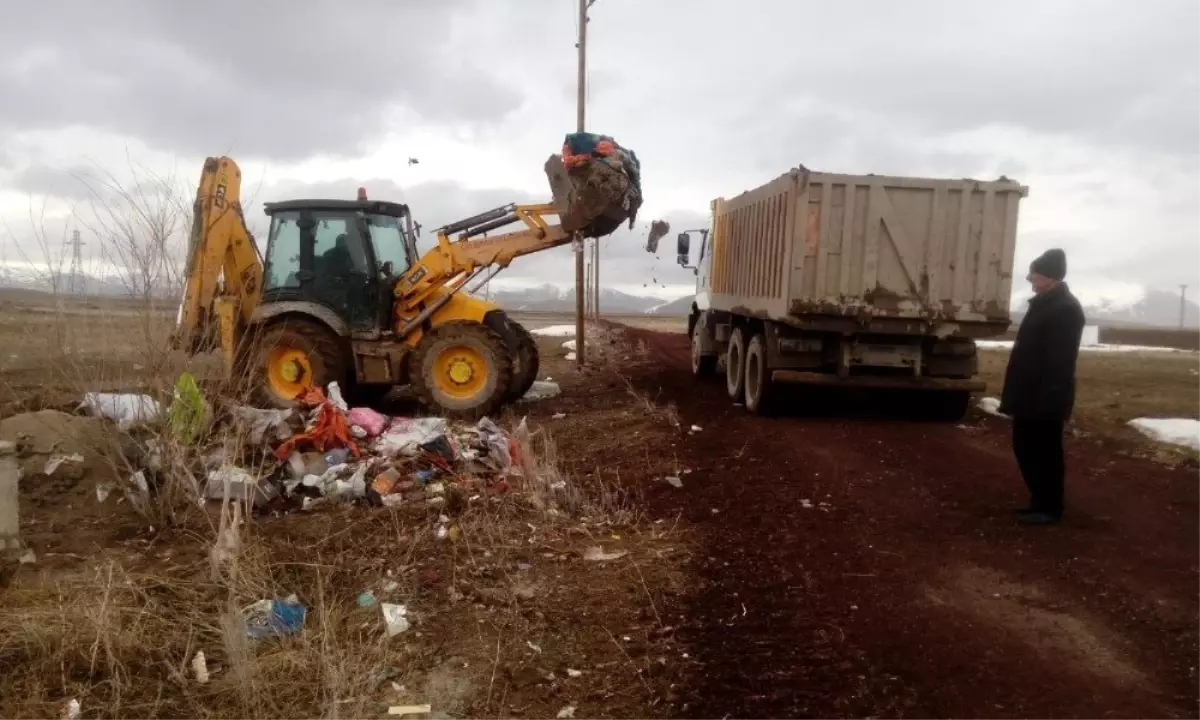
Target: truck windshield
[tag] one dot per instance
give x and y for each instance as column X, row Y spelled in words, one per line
column 387, row 237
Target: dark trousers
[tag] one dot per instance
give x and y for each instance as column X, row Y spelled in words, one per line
column 1038, row 445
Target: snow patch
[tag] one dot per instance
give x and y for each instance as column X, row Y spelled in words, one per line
column 555, row 331
column 1102, row 347
column 1173, row 431
column 991, row 406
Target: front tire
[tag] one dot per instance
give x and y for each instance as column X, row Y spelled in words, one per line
column 703, row 366
column 290, row 356
column 462, row 369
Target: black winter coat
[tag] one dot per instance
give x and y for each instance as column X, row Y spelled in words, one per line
column 1041, row 370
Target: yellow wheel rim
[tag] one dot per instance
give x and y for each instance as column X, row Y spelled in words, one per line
column 289, row 372
column 460, row 372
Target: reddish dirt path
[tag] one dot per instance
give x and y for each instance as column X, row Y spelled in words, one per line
column 913, row 592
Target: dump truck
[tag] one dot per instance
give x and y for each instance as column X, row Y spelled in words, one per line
column 342, row 293
column 853, row 280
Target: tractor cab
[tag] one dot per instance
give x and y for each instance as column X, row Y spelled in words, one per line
column 344, row 255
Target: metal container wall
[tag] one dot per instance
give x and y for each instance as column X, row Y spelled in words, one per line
column 810, row 243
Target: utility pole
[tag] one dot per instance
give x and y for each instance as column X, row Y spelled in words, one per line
column 580, row 100
column 76, row 278
column 1182, row 304
column 596, row 278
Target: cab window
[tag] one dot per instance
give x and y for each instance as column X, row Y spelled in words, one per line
column 387, row 237
column 283, row 252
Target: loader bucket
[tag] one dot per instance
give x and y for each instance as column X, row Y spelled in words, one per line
column 593, row 198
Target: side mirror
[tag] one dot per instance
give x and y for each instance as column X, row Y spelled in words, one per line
column 683, row 246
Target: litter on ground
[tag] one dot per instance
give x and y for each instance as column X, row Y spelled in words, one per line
column 127, row 409
column 597, row 554
column 990, row 405
column 541, row 390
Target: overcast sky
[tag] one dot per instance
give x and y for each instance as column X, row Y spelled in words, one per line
column 1095, row 105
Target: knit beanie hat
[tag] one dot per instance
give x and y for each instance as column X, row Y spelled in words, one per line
column 1051, row 264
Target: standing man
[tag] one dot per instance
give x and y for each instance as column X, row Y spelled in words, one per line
column 1039, row 386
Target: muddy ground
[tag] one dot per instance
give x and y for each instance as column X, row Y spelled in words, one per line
column 842, row 559
column 857, row 564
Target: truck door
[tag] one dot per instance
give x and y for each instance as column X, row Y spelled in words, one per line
column 703, row 266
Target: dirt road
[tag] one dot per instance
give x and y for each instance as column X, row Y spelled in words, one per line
column 872, row 566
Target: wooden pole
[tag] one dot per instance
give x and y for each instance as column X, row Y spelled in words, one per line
column 580, row 100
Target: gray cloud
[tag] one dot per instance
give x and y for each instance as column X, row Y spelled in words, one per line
column 270, row 78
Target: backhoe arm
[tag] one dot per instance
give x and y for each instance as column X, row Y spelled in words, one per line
column 224, row 270
column 450, row 264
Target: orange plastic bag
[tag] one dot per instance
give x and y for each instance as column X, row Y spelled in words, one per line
column 330, row 431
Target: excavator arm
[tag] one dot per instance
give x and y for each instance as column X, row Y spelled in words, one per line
column 224, row 270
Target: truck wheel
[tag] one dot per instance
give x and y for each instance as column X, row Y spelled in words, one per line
column 702, row 365
column 735, row 365
column 526, row 363
column 758, row 376
column 462, row 369
column 290, row 356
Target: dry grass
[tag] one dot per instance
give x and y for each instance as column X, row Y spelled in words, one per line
column 501, row 607
column 1114, row 388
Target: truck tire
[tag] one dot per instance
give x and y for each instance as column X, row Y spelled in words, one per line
column 703, row 366
column 289, row 356
column 735, row 365
column 462, row 370
column 758, row 376
column 526, row 363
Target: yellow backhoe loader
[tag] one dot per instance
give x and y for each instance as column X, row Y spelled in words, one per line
column 342, row 294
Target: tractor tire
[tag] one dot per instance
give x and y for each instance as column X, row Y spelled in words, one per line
column 758, row 376
column 949, row 406
column 462, row 370
column 526, row 363
column 735, row 365
column 290, row 356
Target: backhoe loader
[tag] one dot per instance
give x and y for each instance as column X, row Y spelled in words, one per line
column 342, row 294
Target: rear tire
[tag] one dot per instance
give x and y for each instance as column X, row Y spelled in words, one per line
column 526, row 363
column 758, row 376
column 462, row 369
column 291, row 355
column 735, row 366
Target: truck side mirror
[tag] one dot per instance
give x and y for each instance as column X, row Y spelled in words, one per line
column 683, row 246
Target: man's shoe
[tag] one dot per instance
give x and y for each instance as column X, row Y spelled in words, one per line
column 1037, row 518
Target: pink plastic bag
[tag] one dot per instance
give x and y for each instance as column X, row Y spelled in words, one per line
column 367, row 419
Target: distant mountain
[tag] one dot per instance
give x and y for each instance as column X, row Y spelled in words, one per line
column 681, row 306
column 1145, row 307
column 551, row 298
column 41, row 280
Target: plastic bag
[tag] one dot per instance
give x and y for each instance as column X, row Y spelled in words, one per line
column 128, row 409
column 406, row 435
column 367, row 419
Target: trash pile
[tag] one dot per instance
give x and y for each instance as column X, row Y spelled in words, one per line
column 331, row 450
column 597, row 181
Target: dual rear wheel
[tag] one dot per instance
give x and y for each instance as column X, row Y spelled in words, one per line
column 747, row 377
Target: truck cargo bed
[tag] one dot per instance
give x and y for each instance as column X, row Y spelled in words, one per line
column 811, row 244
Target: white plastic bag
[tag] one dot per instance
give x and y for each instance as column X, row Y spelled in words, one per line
column 128, row 409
